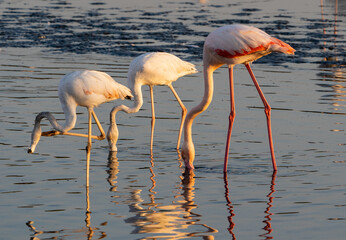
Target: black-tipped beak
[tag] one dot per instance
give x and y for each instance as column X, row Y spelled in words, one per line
column 29, row 150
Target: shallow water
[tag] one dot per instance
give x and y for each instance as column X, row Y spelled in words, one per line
column 134, row 195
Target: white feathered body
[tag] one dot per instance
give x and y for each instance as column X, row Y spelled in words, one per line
column 86, row 88
column 90, row 88
column 158, row 68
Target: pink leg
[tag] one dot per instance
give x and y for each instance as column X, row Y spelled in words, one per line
column 183, row 114
column 152, row 119
column 231, row 116
column 88, row 148
column 267, row 110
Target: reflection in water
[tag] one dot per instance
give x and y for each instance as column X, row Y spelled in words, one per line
column 88, row 231
column 331, row 68
column 112, row 171
column 167, row 221
column 267, row 218
column 230, row 207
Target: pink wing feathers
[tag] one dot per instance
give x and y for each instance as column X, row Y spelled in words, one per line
column 237, row 40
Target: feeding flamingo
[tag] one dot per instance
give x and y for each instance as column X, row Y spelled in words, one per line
column 81, row 88
column 152, row 69
column 231, row 45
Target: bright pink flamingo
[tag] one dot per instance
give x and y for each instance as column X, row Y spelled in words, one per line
column 231, row 45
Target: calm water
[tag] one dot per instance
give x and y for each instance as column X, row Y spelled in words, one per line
column 137, row 196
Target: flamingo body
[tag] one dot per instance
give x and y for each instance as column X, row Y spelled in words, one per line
column 90, row 89
column 237, row 44
column 152, row 69
column 157, row 68
column 231, row 45
column 80, row 88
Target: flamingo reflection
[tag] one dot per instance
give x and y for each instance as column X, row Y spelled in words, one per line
column 167, row 221
column 332, row 69
column 87, row 231
column 229, row 207
column 267, row 218
column 112, row 171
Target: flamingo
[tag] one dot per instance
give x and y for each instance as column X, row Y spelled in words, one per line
column 231, row 45
column 86, row 88
column 152, row 69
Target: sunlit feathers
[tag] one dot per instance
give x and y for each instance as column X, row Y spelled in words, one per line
column 158, row 68
column 152, row 69
column 90, row 88
column 81, row 88
column 231, row 45
column 236, row 44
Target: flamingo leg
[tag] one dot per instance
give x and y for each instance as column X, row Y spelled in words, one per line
column 231, row 116
column 87, row 169
column 152, row 119
column 88, row 148
column 267, row 110
column 183, row 113
column 103, row 135
column 54, row 132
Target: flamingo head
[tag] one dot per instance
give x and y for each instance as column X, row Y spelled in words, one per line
column 188, row 155
column 36, row 134
column 112, row 137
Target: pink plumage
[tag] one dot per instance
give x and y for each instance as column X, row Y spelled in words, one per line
column 231, row 45
column 238, row 44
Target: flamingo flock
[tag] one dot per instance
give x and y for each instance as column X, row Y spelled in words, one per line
column 228, row 45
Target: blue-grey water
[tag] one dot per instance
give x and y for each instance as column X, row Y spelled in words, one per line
column 134, row 195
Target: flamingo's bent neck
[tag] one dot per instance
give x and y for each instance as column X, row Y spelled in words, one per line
column 113, row 133
column 71, row 118
column 188, row 149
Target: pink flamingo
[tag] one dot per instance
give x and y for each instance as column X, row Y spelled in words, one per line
column 152, row 69
column 81, row 88
column 231, row 45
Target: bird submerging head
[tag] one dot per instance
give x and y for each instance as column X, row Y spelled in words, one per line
column 81, row 88
column 152, row 69
column 231, row 45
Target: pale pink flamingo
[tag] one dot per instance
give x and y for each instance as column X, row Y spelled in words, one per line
column 231, row 45
column 152, row 69
column 81, row 88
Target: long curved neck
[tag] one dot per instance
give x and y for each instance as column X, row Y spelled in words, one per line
column 50, row 118
column 113, row 133
column 203, row 105
column 71, row 117
column 138, row 102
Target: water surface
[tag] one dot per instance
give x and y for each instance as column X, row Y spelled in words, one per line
column 134, row 195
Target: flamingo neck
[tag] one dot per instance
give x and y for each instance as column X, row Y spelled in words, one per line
column 70, row 121
column 210, row 64
column 113, row 133
column 138, row 102
column 36, row 133
column 70, row 117
column 203, row 105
